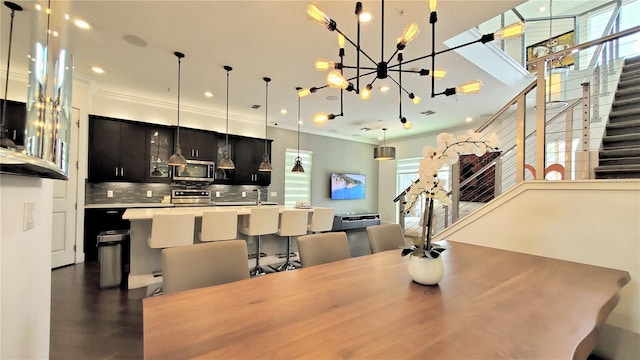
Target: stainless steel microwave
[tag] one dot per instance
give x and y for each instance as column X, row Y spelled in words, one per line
column 195, row 171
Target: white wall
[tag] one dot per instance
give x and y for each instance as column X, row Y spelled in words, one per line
column 590, row 222
column 25, row 268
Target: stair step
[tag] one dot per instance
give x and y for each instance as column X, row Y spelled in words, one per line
column 620, row 141
column 626, row 112
column 617, row 172
column 626, row 93
column 618, row 153
column 629, row 160
column 629, row 101
column 629, row 79
column 623, row 127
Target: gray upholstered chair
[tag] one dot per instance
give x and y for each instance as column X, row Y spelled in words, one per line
column 316, row 249
column 219, row 225
column 262, row 220
column 206, row 264
column 321, row 219
column 385, row 237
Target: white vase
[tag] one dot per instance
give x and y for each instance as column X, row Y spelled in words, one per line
column 426, row 271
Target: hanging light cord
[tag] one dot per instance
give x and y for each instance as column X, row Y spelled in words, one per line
column 179, row 62
column 228, row 68
column 298, row 127
column 266, row 110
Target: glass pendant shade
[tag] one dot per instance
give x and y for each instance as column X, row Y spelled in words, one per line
column 226, row 163
column 265, row 165
column 177, row 159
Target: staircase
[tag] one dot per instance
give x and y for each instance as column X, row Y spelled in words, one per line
column 620, row 151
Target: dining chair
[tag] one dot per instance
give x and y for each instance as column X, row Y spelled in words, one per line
column 219, row 225
column 385, row 237
column 205, row 264
column 261, row 220
column 321, row 219
column 292, row 223
column 316, row 249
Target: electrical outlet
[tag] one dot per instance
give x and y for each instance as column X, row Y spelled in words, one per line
column 29, row 216
column 274, row 194
column 244, row 194
column 217, row 193
column 149, row 193
column 109, row 193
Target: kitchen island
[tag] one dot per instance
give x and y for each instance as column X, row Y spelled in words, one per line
column 145, row 260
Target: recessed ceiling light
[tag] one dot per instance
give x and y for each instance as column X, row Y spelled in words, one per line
column 384, row 88
column 542, row 8
column 97, row 69
column 283, row 111
column 469, row 119
column 208, row 94
column 82, row 24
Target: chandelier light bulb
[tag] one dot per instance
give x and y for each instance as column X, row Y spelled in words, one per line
column 324, row 64
column 509, row 31
column 304, row 93
column 407, row 125
column 410, row 32
column 366, row 92
column 336, row 80
column 416, row 100
column 320, row 118
column 317, row 15
column 471, row 87
column 341, row 41
column 439, row 73
column 433, row 4
column 365, row 16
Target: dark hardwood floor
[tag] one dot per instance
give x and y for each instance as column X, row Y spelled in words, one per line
column 92, row 323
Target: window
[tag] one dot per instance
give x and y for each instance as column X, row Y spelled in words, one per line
column 297, row 186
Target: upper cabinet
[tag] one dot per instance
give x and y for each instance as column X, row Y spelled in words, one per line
column 15, row 121
column 198, row 144
column 117, row 150
column 248, row 156
column 159, row 141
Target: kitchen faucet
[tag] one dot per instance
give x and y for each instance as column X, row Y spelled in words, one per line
column 258, row 199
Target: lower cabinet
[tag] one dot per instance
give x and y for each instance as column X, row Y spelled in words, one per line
column 96, row 221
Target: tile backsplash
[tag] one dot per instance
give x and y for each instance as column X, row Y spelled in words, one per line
column 124, row 193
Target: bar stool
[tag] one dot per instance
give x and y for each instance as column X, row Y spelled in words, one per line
column 219, row 225
column 321, row 219
column 292, row 223
column 260, row 221
column 170, row 230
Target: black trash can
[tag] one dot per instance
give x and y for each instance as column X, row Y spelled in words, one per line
column 110, row 256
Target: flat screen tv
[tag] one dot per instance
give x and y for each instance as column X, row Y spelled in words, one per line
column 348, row 186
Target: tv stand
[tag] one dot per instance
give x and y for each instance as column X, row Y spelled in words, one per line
column 355, row 221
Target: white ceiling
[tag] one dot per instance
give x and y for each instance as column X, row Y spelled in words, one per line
column 274, row 39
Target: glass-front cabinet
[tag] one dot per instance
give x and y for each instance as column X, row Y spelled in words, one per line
column 159, row 149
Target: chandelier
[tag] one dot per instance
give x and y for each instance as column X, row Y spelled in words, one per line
column 384, row 68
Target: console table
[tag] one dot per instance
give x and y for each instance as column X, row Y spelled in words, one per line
column 491, row 304
column 355, row 221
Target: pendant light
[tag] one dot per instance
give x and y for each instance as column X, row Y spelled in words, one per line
column 6, row 142
column 156, row 171
column 298, row 165
column 226, row 162
column 265, row 165
column 177, row 159
column 384, row 152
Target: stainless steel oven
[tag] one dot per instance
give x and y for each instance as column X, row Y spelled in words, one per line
column 191, row 197
column 195, row 171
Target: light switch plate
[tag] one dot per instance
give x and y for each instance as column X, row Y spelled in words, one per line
column 109, row 193
column 29, row 216
column 149, row 193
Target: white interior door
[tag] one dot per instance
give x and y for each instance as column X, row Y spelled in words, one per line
column 64, row 205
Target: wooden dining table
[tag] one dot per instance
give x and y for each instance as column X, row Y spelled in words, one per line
column 491, row 304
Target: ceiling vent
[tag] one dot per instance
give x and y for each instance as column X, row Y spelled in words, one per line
column 428, row 112
column 255, row 106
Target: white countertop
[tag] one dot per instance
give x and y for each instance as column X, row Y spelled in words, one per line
column 147, row 213
column 126, row 205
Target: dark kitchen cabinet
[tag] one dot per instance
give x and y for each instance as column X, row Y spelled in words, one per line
column 117, row 150
column 96, row 221
column 198, row 144
column 159, row 140
column 15, row 122
column 248, row 156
